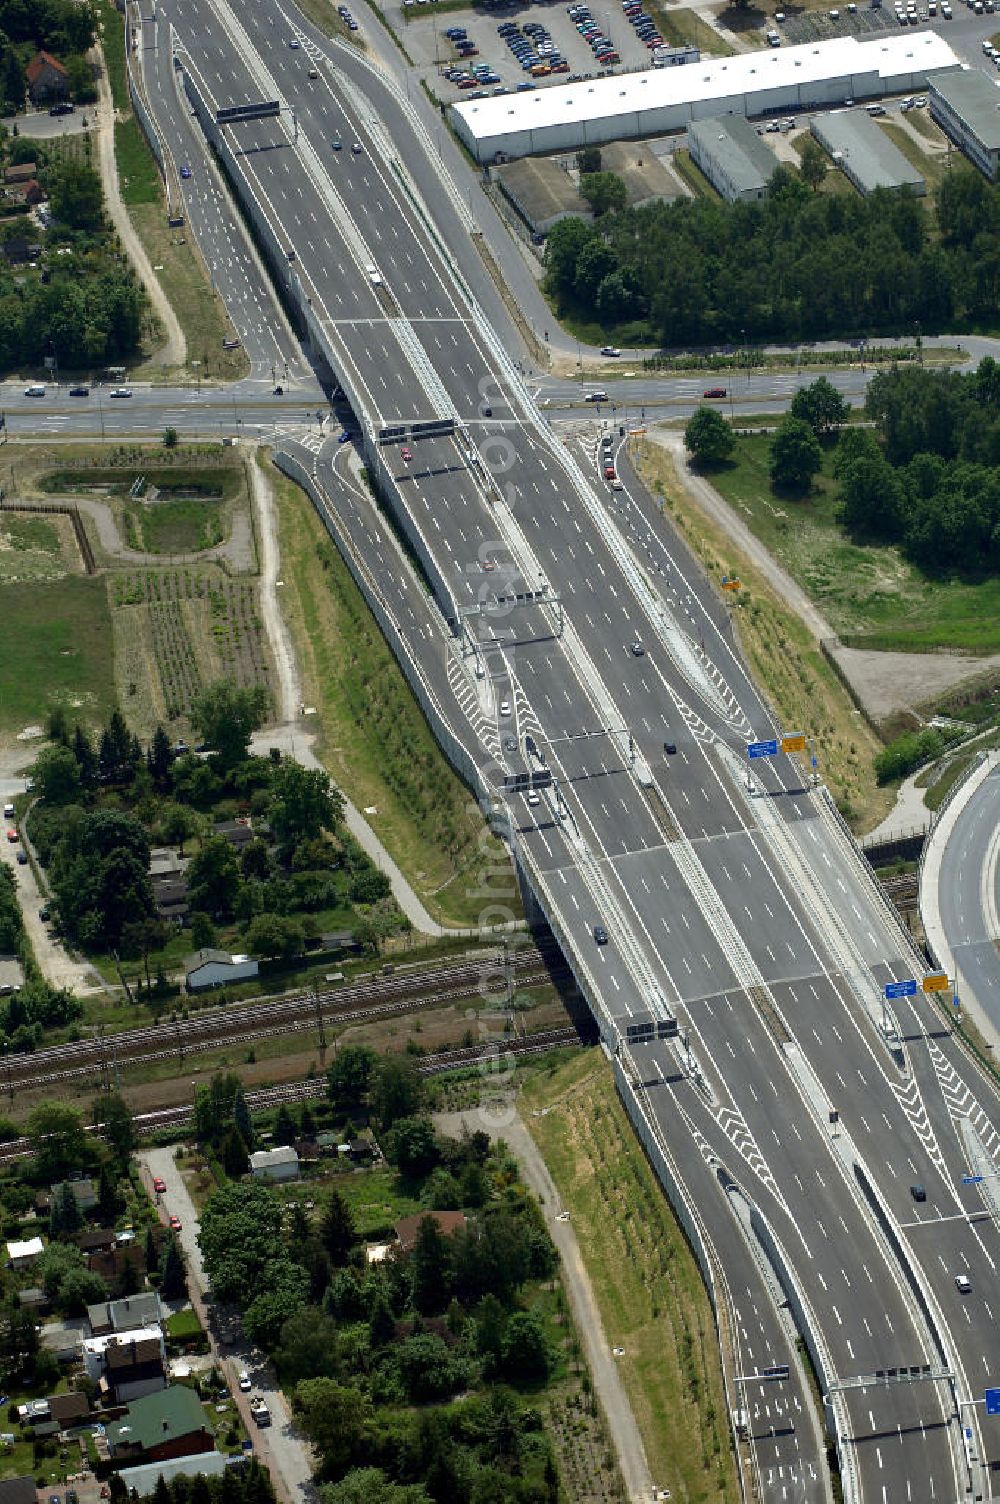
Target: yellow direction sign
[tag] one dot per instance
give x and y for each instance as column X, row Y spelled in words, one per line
column 795, row 742
column 936, row 982
column 733, row 584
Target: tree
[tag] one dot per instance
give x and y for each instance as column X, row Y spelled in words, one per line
column 820, row 405
column 428, row 1369
column 284, row 1131
column 795, row 456
column 604, row 191
column 588, row 160
column 813, row 163
column 57, row 775
column 369, row 1485
column 525, row 1357
column 159, row 760
column 274, row 935
column 338, row 1421
column 284, row 1289
column 64, row 1215
column 234, row 1154
column 412, row 1147
column 303, row 803
column 214, row 879
column 57, row 1140
column 80, row 77
column 119, row 753
column 708, row 437
column 75, row 196
column 350, row 1076
column 396, row 1090
column 430, row 1268
column 307, row 1347
column 241, row 1117
column 337, row 1231
column 109, row 1203
column 239, row 1234
column 170, row 438
column 173, row 1276
column 113, row 1116
column 227, row 715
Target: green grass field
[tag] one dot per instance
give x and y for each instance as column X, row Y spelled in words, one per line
column 931, row 165
column 872, row 597
column 112, row 37
column 178, row 527
column 648, row 1288
column 678, row 28
column 137, row 175
column 57, row 646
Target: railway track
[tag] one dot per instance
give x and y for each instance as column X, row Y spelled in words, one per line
column 368, row 999
column 437, row 1064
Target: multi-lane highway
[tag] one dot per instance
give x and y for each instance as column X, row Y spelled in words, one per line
column 792, row 1115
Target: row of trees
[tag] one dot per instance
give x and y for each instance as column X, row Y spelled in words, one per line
column 701, row 271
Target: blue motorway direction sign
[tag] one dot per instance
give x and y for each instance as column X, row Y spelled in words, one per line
column 762, row 749
column 993, row 1402
column 901, row 989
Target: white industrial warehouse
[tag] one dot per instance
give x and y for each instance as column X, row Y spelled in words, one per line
column 658, row 101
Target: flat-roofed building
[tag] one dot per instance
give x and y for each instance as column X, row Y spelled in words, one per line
column 966, row 105
column 864, row 153
column 629, row 106
column 733, row 157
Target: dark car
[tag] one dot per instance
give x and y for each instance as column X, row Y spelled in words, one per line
column 79, row 391
column 918, row 1192
column 63, row 108
column 600, row 934
column 670, row 748
column 22, row 858
column 279, row 391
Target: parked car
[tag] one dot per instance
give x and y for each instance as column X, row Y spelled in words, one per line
column 713, row 392
column 159, row 1184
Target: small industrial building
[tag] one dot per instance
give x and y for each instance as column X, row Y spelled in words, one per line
column 275, row 1164
column 215, row 968
column 541, row 191
column 628, row 106
column 733, row 157
column 864, row 153
column 966, row 105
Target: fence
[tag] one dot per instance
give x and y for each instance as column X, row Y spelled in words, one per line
column 54, row 508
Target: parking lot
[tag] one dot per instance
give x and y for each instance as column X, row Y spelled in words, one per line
column 553, row 37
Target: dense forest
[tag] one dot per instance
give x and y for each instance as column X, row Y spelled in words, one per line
column 799, row 265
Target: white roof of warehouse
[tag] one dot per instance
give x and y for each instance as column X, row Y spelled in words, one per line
column 720, row 78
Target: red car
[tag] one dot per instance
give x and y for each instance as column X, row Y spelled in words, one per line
column 159, row 1186
column 406, row 453
column 12, row 835
column 714, row 391
column 175, row 1224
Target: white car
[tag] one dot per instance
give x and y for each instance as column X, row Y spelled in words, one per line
column 610, row 350
column 244, row 1382
column 505, row 707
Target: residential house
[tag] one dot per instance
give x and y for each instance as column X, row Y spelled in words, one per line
column 63, row 1339
column 142, row 1480
column 134, row 1368
column 34, row 1299
column 275, row 1164
column 22, row 172
column 18, row 1491
column 95, row 1240
column 129, row 1314
column 170, row 895
column 169, row 1424
column 406, row 1230
column 215, row 968
column 83, row 1192
column 69, row 1409
column 112, row 1265
column 47, row 78
column 22, row 1255
column 237, row 832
